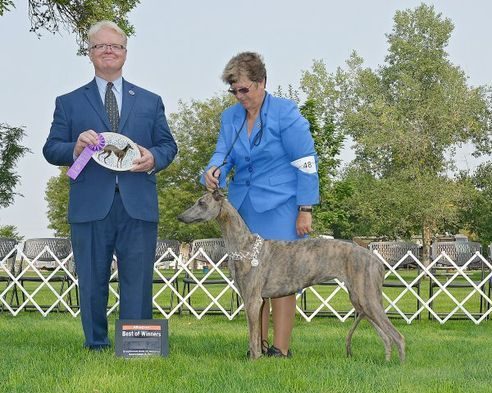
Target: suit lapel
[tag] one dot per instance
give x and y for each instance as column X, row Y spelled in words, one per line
column 128, row 97
column 92, row 94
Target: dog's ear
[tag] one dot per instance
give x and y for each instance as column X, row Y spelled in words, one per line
column 217, row 194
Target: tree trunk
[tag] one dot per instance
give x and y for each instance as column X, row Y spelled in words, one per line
column 426, row 243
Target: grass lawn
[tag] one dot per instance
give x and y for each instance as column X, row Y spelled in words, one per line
column 46, row 355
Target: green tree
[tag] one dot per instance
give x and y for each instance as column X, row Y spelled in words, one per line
column 394, row 207
column 406, row 119
column 477, row 213
column 328, row 143
column 5, row 5
column 11, row 232
column 335, row 214
column 10, row 152
column 75, row 16
column 56, row 195
column 330, row 93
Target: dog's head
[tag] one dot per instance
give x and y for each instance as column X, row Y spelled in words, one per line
column 206, row 208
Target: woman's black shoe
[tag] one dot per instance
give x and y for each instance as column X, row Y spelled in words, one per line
column 273, row 351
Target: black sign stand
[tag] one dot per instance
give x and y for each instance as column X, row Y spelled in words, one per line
column 143, row 337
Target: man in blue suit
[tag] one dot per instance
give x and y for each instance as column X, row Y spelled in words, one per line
column 111, row 212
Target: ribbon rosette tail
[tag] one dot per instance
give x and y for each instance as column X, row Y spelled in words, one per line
column 84, row 157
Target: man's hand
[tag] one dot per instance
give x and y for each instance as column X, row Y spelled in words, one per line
column 85, row 139
column 145, row 163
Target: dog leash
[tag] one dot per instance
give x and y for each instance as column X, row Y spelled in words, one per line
column 256, row 141
column 230, row 149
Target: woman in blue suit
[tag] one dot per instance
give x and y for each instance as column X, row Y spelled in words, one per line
column 268, row 143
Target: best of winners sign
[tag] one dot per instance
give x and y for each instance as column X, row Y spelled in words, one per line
column 137, row 338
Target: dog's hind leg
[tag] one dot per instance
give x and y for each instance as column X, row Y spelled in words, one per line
column 380, row 319
column 253, row 314
column 376, row 316
column 374, row 313
column 400, row 343
column 348, row 340
column 396, row 337
column 381, row 322
column 384, row 337
column 386, row 340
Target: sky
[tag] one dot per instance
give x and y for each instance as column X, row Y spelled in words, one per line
column 180, row 49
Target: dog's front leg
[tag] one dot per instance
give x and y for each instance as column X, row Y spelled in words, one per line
column 253, row 314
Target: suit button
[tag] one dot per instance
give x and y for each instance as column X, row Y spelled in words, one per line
column 250, row 169
column 247, row 159
column 247, row 183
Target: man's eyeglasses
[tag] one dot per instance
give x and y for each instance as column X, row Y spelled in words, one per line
column 104, row 47
column 242, row 90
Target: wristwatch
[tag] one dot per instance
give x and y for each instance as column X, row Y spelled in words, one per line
column 307, row 209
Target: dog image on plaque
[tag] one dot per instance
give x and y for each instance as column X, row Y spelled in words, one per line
column 118, row 152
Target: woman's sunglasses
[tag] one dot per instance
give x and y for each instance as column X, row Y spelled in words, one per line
column 242, row 90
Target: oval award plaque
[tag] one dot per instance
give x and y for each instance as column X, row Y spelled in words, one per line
column 118, row 153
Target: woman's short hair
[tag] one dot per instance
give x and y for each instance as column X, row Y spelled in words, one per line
column 105, row 24
column 245, row 64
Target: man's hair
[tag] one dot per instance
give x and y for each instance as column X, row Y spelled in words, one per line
column 105, row 24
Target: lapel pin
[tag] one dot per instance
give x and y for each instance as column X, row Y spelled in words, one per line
column 131, row 92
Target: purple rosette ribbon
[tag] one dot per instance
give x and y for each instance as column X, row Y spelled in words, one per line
column 84, row 158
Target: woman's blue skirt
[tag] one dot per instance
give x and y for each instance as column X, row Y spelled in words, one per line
column 274, row 224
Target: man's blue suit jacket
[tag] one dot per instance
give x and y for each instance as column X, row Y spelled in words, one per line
column 265, row 172
column 142, row 120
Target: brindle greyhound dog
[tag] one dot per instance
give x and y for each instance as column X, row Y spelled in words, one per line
column 270, row 268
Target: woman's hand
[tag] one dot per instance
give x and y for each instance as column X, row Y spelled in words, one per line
column 303, row 223
column 212, row 178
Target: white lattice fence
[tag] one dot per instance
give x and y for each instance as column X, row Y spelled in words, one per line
column 30, row 284
column 177, row 286
column 200, row 284
column 480, row 286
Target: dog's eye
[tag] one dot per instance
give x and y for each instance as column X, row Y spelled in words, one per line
column 201, row 203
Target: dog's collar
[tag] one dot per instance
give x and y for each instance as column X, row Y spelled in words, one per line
column 251, row 255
